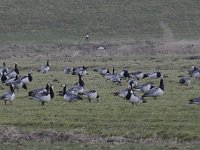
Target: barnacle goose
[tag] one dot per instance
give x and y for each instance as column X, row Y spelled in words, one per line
column 191, row 70
column 143, row 87
column 91, row 94
column 44, row 68
column 133, row 98
column 69, row 96
column 35, row 92
column 80, row 70
column 196, row 74
column 138, row 75
column 80, row 81
column 121, row 93
column 4, row 77
column 13, row 73
column 9, row 95
column 17, row 83
column 78, row 88
column 132, row 82
column 184, row 81
column 45, row 95
column 101, row 71
column 156, row 91
column 4, row 68
column 68, row 70
column 195, row 101
column 114, row 77
column 124, row 74
column 27, row 79
column 154, row 75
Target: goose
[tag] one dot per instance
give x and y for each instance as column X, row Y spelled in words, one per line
column 17, row 83
column 35, row 92
column 138, row 75
column 13, row 73
column 44, row 68
column 191, row 70
column 44, row 96
column 184, row 81
column 80, row 70
column 10, row 80
column 156, row 91
column 4, row 77
column 101, row 71
column 195, row 101
column 121, row 93
column 69, row 96
column 196, row 74
column 154, row 75
column 78, row 88
column 68, row 70
column 144, row 87
column 133, row 98
column 124, row 74
column 4, row 68
column 80, row 81
column 91, row 94
column 87, row 36
column 27, row 79
column 9, row 95
column 109, row 75
column 114, row 77
column 132, row 82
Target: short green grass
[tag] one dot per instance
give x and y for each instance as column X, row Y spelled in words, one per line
column 168, row 120
column 47, row 21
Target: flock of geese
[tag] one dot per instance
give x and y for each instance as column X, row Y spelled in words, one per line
column 78, row 92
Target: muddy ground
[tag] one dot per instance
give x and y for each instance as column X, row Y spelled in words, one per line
column 101, row 49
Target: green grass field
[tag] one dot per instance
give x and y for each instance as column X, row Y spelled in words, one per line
column 137, row 35
column 46, row 21
column 166, row 122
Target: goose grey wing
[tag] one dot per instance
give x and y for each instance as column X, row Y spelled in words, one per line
column 6, row 95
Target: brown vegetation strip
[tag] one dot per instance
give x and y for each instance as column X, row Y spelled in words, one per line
column 63, row 50
column 11, row 134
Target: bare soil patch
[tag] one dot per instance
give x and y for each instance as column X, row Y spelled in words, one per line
column 63, row 50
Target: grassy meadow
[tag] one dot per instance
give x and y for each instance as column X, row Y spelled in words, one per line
column 138, row 35
column 166, row 122
column 41, row 21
